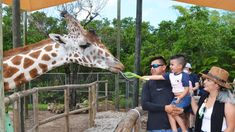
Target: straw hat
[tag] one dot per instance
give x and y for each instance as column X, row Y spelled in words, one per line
column 218, row 75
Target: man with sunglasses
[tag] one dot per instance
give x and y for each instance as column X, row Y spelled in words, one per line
column 156, row 97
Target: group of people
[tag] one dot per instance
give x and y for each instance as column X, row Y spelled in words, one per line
column 167, row 95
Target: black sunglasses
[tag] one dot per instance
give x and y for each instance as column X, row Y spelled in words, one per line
column 155, row 65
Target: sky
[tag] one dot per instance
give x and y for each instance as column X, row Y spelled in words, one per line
column 153, row 11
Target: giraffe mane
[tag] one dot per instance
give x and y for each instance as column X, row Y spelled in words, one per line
column 25, row 49
column 95, row 39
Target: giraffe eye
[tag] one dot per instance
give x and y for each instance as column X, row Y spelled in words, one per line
column 85, row 45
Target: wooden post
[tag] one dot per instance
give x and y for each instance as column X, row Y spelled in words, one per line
column 130, row 120
column 106, row 95
column 90, row 106
column 97, row 95
column 35, row 111
column 66, row 108
column 2, row 105
column 94, row 105
column 16, row 115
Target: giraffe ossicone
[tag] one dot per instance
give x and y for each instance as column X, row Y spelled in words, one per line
column 79, row 46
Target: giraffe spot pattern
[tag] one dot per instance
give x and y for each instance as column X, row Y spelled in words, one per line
column 20, row 79
column 25, row 52
column 35, row 54
column 94, row 57
column 88, row 57
column 27, row 63
column 57, row 45
column 84, row 60
column 43, row 67
column 9, row 71
column 53, row 54
column 76, row 55
column 6, row 86
column 48, row 48
column 54, row 62
column 46, row 57
column 100, row 52
column 99, row 61
column 16, row 60
column 106, row 54
column 33, row 73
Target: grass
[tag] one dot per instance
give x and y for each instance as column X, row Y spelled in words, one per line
column 42, row 107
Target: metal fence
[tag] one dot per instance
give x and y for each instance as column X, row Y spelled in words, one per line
column 125, row 93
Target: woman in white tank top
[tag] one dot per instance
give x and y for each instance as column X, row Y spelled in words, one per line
column 215, row 111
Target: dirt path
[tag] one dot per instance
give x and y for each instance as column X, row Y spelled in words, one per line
column 105, row 122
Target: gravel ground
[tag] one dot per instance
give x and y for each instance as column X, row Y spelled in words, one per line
column 106, row 121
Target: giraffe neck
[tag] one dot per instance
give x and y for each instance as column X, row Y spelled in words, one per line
column 28, row 63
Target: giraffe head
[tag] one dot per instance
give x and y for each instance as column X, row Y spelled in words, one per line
column 85, row 47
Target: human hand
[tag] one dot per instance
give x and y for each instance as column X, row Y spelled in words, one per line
column 169, row 108
column 173, row 110
column 146, row 77
column 191, row 92
column 177, row 111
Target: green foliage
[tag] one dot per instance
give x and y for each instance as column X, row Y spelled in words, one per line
column 40, row 106
column 124, row 102
column 205, row 36
column 7, row 28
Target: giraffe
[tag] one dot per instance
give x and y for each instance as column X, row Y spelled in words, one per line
column 20, row 65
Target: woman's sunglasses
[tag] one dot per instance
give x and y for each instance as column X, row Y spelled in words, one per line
column 155, row 65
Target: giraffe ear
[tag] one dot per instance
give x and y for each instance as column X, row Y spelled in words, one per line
column 57, row 38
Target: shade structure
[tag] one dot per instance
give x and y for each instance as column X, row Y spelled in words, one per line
column 220, row 4
column 32, row 5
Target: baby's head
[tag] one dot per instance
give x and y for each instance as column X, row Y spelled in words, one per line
column 177, row 63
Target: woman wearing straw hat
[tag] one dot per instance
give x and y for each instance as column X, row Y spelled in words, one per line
column 215, row 111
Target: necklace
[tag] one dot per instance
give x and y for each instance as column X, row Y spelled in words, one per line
column 202, row 109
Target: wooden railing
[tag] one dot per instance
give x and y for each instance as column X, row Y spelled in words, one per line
column 131, row 122
column 92, row 107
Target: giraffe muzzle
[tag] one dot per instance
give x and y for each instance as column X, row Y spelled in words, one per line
column 117, row 68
